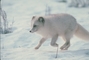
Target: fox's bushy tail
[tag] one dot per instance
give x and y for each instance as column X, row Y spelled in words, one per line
column 82, row 33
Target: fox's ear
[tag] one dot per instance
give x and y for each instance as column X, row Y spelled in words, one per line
column 33, row 17
column 41, row 19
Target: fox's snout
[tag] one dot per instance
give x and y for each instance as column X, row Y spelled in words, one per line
column 33, row 30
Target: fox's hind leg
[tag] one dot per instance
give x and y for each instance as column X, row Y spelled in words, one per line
column 65, row 46
column 66, row 38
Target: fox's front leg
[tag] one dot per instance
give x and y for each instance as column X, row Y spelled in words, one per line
column 40, row 43
column 53, row 41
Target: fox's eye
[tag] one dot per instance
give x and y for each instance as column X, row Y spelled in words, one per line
column 34, row 25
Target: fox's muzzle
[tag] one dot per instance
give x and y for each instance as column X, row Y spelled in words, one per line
column 33, row 30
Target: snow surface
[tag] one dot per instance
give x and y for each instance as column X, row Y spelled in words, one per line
column 19, row 45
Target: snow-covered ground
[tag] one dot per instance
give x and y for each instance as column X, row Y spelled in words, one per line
column 19, row 45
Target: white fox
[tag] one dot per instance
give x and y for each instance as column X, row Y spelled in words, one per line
column 55, row 25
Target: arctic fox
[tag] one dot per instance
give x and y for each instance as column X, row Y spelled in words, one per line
column 55, row 25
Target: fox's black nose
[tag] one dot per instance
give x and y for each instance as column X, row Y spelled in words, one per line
column 29, row 31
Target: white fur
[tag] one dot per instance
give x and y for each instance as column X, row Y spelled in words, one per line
column 82, row 33
column 55, row 25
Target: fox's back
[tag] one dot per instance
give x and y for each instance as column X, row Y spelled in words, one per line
column 61, row 22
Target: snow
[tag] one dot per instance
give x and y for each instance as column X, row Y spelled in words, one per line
column 19, row 45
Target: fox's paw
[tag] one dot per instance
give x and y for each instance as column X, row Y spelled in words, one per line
column 63, row 48
column 36, row 48
column 54, row 44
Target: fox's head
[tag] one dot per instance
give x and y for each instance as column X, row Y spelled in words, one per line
column 37, row 23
